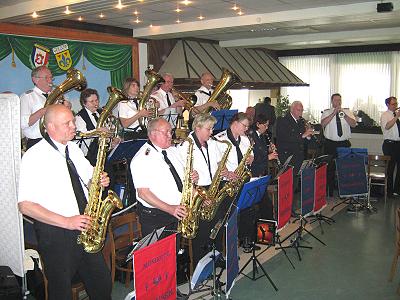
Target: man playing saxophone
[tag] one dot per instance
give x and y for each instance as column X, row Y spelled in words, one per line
column 157, row 174
column 54, row 176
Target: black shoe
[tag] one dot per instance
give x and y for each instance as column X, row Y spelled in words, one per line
column 220, row 263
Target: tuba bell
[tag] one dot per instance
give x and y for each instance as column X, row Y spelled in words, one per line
column 145, row 101
column 75, row 80
column 219, row 95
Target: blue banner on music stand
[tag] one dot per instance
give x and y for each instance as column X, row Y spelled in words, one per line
column 252, row 192
column 352, row 177
column 223, row 117
column 307, row 190
column 232, row 258
column 126, row 150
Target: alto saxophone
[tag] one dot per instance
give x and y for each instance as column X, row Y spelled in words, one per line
column 208, row 212
column 100, row 209
column 231, row 188
column 189, row 225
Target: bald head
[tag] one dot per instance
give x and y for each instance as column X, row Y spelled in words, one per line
column 60, row 123
column 207, row 80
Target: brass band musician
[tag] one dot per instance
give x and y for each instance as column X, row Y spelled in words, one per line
column 204, row 93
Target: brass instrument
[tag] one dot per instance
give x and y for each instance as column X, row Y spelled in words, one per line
column 224, row 100
column 191, row 100
column 98, row 209
column 208, row 212
column 145, row 101
column 341, row 114
column 75, row 80
column 189, row 225
column 231, row 188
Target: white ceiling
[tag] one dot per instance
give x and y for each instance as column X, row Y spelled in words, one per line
column 273, row 24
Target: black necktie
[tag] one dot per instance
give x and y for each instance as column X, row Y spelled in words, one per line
column 169, row 101
column 95, row 116
column 339, row 125
column 76, row 184
column 173, row 171
column 397, row 123
column 45, row 95
column 236, row 144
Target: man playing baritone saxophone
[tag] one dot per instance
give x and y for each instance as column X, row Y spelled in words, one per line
column 56, row 200
column 207, row 154
column 157, row 174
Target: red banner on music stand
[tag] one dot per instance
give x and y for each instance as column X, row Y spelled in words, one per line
column 285, row 197
column 320, row 188
column 155, row 270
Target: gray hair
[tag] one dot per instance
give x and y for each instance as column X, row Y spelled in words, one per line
column 153, row 125
column 35, row 72
column 203, row 119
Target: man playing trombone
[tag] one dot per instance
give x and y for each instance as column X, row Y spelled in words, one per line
column 336, row 122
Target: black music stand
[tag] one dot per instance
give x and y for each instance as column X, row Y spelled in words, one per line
column 126, row 150
column 251, row 194
column 223, row 117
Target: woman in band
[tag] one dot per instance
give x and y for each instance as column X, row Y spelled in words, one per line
column 129, row 113
column 263, row 149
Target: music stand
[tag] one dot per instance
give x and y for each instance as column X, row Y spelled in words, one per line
column 126, row 150
column 149, row 239
column 223, row 117
column 251, row 194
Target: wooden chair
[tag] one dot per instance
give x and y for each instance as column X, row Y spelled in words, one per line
column 397, row 250
column 121, row 232
column 377, row 170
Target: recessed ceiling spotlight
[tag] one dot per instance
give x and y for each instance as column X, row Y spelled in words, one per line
column 178, row 21
column 235, row 7
column 201, row 17
column 186, row 2
column 34, row 15
column 151, row 25
column 80, row 18
column 178, row 10
column 137, row 21
column 67, row 11
column 120, row 5
column 135, row 12
column 240, row 13
column 101, row 15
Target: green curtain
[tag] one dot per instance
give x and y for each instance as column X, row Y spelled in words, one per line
column 108, row 57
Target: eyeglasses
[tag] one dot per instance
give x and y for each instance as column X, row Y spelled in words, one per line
column 45, row 77
column 244, row 125
column 165, row 132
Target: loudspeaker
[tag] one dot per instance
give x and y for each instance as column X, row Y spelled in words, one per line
column 384, row 7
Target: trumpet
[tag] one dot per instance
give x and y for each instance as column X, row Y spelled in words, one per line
column 341, row 114
column 191, row 100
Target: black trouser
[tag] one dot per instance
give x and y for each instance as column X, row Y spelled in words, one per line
column 153, row 218
column 331, row 149
column 31, row 142
column 62, row 258
column 392, row 148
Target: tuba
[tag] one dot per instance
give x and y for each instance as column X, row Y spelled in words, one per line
column 208, row 212
column 224, row 100
column 145, row 101
column 100, row 209
column 75, row 80
column 189, row 225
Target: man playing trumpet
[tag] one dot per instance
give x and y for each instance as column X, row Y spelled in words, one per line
column 336, row 122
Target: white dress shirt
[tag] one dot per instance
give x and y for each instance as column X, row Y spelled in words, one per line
column 170, row 114
column 330, row 130
column 82, row 127
column 391, row 133
column 31, row 102
column 202, row 97
column 149, row 170
column 45, row 180
column 126, row 110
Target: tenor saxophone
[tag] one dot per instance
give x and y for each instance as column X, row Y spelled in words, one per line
column 189, row 225
column 100, row 209
column 208, row 211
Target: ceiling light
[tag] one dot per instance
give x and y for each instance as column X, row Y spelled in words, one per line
column 178, row 21
column 120, row 5
column 67, row 11
column 101, row 15
column 178, row 10
column 201, row 17
column 80, row 18
column 137, row 21
column 240, row 13
column 135, row 12
column 34, row 15
column 151, row 25
column 186, row 2
column 235, row 7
